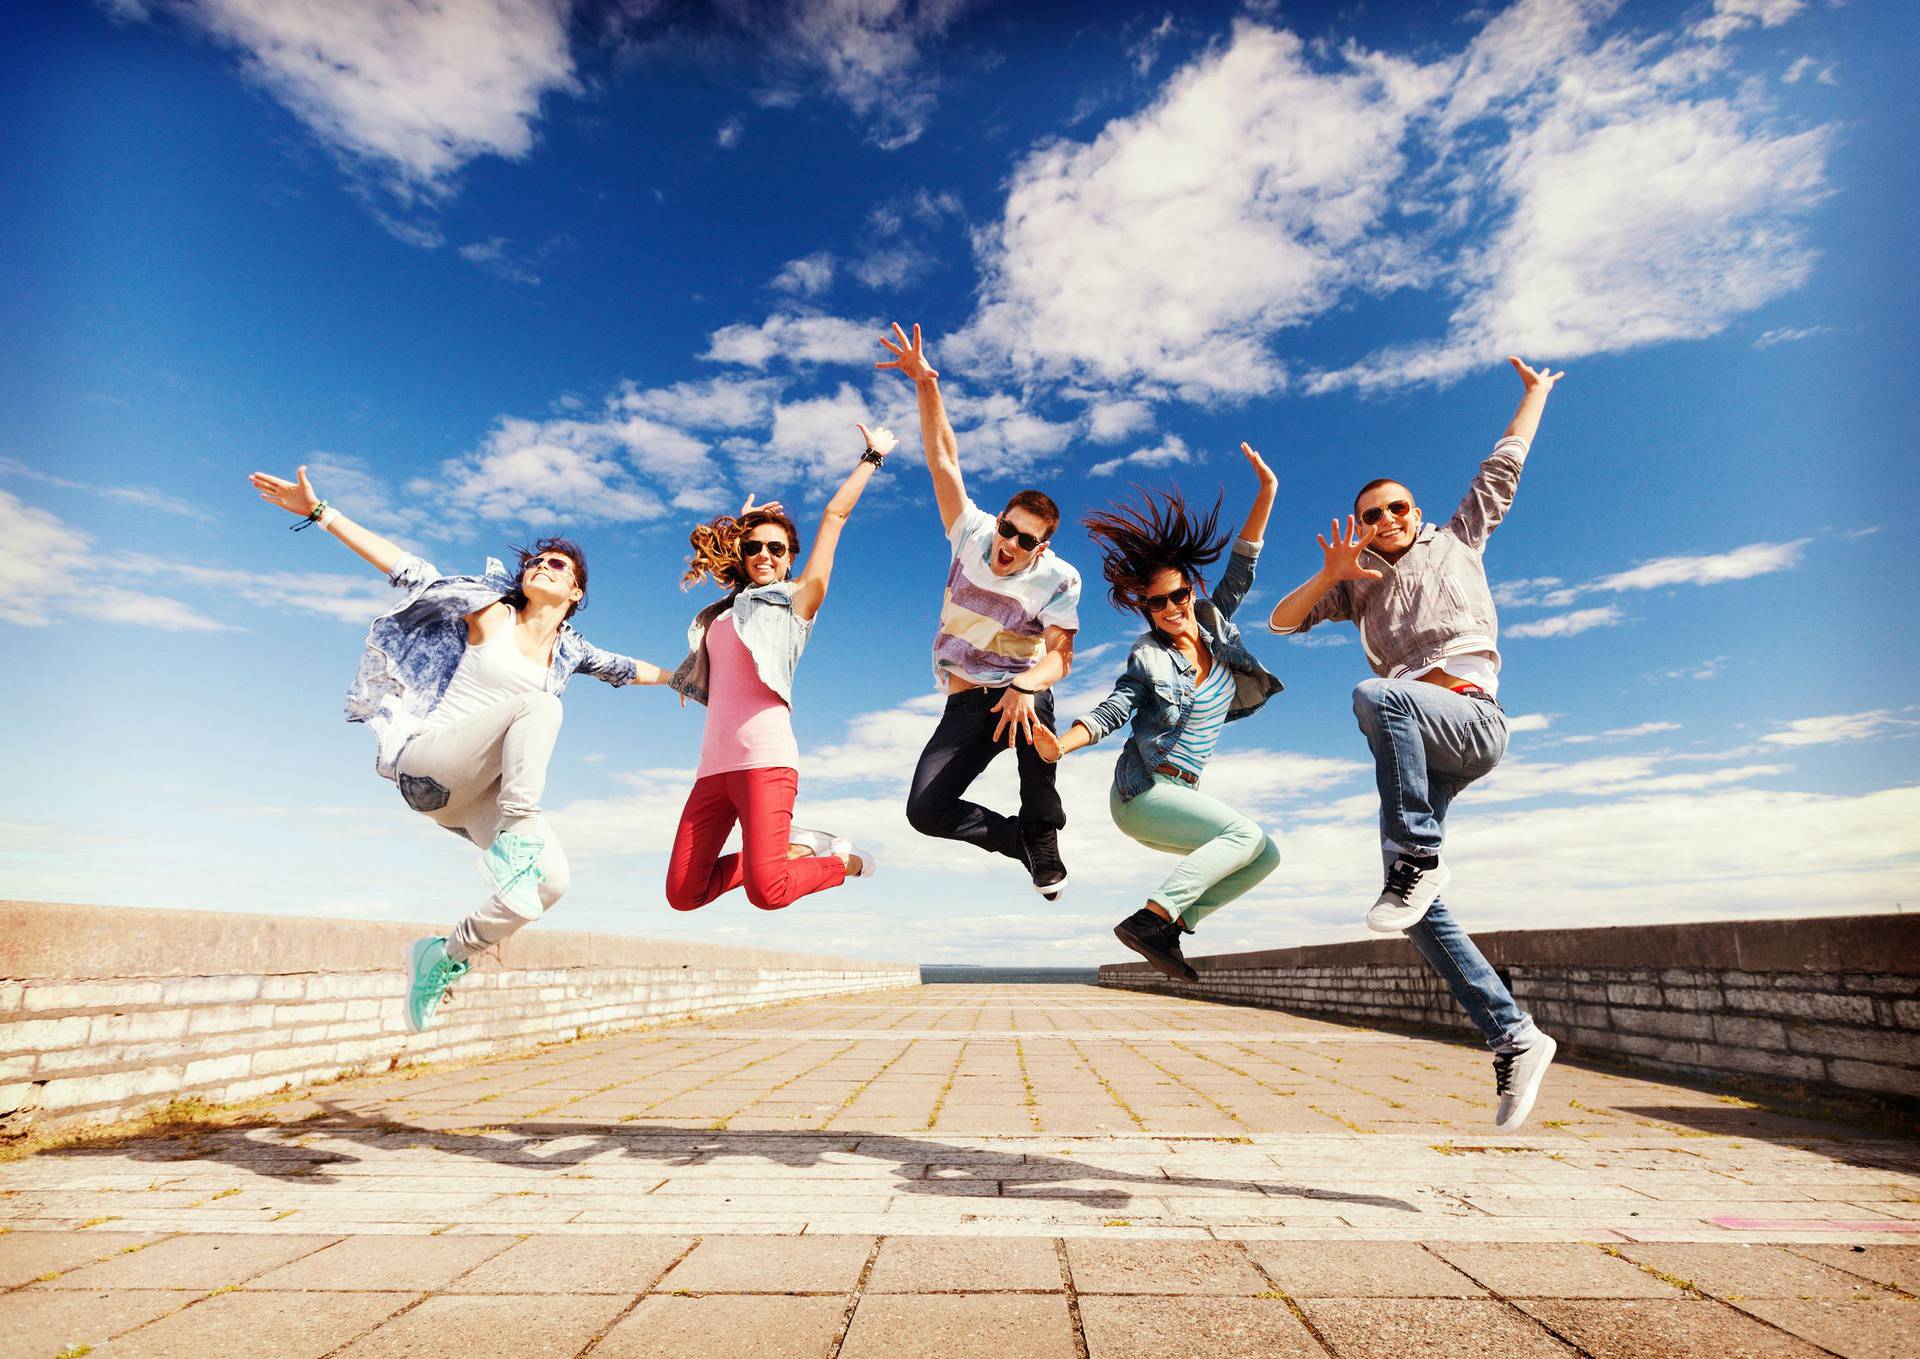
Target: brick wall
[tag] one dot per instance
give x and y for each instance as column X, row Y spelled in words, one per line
column 107, row 1013
column 1830, row 1003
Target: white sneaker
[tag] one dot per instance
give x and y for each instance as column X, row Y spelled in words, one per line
column 1409, row 892
column 868, row 864
column 1518, row 1076
column 821, row 844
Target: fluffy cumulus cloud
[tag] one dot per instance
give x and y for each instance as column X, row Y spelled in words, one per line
column 1620, row 190
column 1569, row 624
column 1845, row 728
column 413, row 88
column 50, row 572
column 1171, row 449
column 795, row 338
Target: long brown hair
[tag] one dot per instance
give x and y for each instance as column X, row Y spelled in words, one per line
column 716, row 547
column 1138, row 542
column 516, row 598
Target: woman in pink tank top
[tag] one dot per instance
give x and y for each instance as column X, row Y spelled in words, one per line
column 743, row 649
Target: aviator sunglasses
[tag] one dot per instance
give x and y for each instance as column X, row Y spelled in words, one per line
column 1155, row 603
column 1398, row 508
column 553, row 563
column 776, row 548
column 1026, row 540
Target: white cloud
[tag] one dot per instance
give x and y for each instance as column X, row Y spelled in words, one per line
column 1789, row 335
column 1705, row 670
column 810, row 275
column 1803, row 66
column 50, row 572
column 144, row 496
column 1109, row 421
column 538, row 472
column 1146, row 52
column 346, row 598
column 1568, row 624
column 1171, row 449
column 1616, row 734
column 1742, row 563
column 1730, row 16
column 796, row 338
column 715, row 403
column 1880, row 724
column 728, row 134
column 414, row 88
column 1527, row 721
column 495, row 256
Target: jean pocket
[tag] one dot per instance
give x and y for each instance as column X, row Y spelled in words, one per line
column 423, row 794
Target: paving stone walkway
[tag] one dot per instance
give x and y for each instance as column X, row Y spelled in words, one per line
column 974, row 1170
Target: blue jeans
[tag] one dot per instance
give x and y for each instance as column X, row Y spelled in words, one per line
column 1428, row 744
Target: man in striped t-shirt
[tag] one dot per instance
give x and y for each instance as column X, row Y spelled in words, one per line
column 1005, row 639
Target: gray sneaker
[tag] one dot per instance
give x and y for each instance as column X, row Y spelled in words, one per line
column 1518, row 1076
column 1411, row 890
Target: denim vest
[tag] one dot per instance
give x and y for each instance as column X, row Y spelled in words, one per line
column 773, row 634
column 1155, row 692
column 414, row 648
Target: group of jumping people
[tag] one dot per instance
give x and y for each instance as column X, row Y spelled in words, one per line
column 461, row 681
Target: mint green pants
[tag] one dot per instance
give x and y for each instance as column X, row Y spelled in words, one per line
column 1226, row 853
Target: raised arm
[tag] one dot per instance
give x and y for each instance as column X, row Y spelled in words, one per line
column 1237, row 579
column 811, row 589
column 943, row 450
column 298, row 497
column 1307, row 603
column 1490, row 494
column 1255, row 529
column 1533, row 401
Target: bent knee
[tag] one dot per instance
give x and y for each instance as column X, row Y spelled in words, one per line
column 927, row 816
column 1370, row 695
column 540, row 703
column 769, row 899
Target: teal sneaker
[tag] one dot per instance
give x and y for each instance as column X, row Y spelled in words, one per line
column 431, row 973
column 513, row 865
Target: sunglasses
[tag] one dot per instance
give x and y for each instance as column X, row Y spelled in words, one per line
column 775, row 547
column 1155, row 603
column 1026, row 540
column 1398, row 508
column 552, row 563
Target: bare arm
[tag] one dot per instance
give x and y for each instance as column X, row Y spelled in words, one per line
column 1490, row 494
column 811, row 590
column 1342, row 562
column 298, row 497
column 1261, row 510
column 1533, row 401
column 936, row 431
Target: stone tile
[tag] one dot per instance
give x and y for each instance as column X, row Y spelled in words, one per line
column 201, row 1262
column 1881, row 1328
column 1194, row 1328
column 417, row 1263
column 1428, row 1328
column 945, row 1264
column 577, row 1264
column 1546, row 1270
column 1756, row 1271
column 1360, row 1269
column 1647, row 1329
column 961, row 1326
column 533, row 1327
column 259, row 1323
column 726, row 1327
column 36, row 1323
column 25, row 1255
column 771, row 1264
column 1176, row 1267
column 1896, row 1266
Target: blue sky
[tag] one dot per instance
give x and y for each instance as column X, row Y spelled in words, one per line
column 495, row 271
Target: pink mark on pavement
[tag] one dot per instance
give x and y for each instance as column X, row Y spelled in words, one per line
column 1791, row 1224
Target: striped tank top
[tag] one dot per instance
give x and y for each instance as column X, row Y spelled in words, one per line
column 1200, row 733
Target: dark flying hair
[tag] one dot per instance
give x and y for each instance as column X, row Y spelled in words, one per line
column 566, row 547
column 1138, row 542
column 716, row 547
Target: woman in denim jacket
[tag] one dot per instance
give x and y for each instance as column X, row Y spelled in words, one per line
column 742, row 651
column 461, row 684
column 1186, row 677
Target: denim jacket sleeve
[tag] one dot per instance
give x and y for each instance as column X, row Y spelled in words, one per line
column 412, row 574
column 609, row 666
column 1117, row 708
column 1237, row 579
column 1490, row 495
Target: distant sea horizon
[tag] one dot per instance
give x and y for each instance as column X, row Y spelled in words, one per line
column 986, row 974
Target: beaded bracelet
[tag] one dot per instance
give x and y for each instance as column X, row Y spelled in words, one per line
column 320, row 507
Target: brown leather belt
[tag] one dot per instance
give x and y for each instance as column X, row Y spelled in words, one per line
column 1174, row 771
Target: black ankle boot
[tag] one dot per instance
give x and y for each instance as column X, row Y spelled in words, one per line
column 1158, row 941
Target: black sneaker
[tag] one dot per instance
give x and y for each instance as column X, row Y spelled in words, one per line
column 1042, row 850
column 1158, row 941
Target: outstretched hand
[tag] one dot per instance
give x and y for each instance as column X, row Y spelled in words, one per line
column 295, row 497
column 1540, row 381
column 880, row 439
column 909, row 356
column 1259, row 465
column 1046, row 744
column 1343, row 553
column 1017, row 718
column 771, row 507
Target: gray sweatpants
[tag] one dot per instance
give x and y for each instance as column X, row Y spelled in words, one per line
column 482, row 774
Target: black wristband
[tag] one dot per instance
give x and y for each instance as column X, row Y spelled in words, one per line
column 874, row 456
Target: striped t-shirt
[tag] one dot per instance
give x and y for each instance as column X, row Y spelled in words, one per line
column 992, row 627
column 1201, row 732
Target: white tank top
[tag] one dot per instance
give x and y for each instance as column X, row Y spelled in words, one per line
column 489, row 672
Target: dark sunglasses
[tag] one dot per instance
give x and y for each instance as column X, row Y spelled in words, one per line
column 775, row 547
column 1026, row 540
column 1155, row 603
column 551, row 563
column 1399, row 508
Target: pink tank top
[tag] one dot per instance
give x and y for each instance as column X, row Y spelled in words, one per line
column 748, row 727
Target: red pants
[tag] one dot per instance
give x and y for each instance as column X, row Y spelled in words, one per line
column 761, row 800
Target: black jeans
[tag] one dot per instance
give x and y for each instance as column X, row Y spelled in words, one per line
column 960, row 751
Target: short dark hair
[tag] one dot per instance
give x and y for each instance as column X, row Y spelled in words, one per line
column 1139, row 541
column 1036, row 502
column 566, row 547
column 1375, row 485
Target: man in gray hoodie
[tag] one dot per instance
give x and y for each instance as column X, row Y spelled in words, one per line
column 1418, row 592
